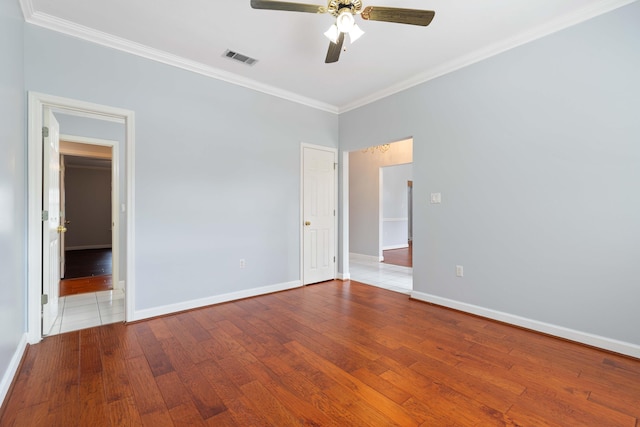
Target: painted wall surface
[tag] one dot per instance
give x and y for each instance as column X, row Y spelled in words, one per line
column 13, row 189
column 395, row 205
column 364, row 194
column 217, row 167
column 88, row 207
column 536, row 154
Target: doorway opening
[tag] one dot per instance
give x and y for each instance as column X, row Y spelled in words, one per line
column 89, row 195
column 122, row 222
column 379, row 217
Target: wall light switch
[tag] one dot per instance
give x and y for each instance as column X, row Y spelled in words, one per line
column 436, row 197
column 459, row 271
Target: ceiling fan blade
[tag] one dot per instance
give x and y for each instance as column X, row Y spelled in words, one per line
column 401, row 16
column 292, row 7
column 333, row 54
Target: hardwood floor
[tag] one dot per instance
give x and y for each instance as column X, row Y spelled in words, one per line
column 83, row 285
column 87, row 271
column 88, row 262
column 403, row 257
column 332, row 354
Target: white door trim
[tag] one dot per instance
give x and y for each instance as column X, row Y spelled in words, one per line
column 37, row 101
column 304, row 145
column 115, row 197
column 344, row 217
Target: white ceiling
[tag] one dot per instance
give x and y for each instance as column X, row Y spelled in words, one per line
column 291, row 47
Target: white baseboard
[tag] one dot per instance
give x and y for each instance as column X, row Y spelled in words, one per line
column 368, row 258
column 401, row 246
column 344, row 276
column 215, row 299
column 621, row 347
column 82, row 248
column 12, row 369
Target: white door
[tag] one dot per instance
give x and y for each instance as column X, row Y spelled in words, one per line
column 51, row 226
column 319, row 215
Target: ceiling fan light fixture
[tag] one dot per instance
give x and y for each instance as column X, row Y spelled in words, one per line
column 345, row 21
column 355, row 33
column 332, row 33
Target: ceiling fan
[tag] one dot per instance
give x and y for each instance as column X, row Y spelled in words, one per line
column 345, row 12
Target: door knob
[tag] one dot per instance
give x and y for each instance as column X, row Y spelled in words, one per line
column 62, row 229
column 307, row 223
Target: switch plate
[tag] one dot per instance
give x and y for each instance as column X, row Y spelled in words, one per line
column 459, row 271
column 436, row 197
column 243, row 264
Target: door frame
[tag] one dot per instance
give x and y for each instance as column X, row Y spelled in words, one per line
column 333, row 150
column 344, row 214
column 36, row 103
column 115, row 196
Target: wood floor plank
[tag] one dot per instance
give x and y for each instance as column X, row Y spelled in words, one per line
column 152, row 348
column 360, row 389
column 223, row 377
column 84, row 285
column 173, row 390
column 202, row 393
column 147, row 396
column 305, row 412
column 336, row 353
column 190, row 342
column 241, row 412
column 306, row 386
column 567, row 410
column 186, row 415
column 273, row 411
column 378, row 383
column 124, row 412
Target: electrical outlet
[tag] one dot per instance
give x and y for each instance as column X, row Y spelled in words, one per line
column 243, row 264
column 459, row 271
column 436, row 198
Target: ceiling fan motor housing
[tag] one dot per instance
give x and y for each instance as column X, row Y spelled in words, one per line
column 334, row 7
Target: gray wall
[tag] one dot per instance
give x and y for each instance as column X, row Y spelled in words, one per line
column 217, row 167
column 364, row 194
column 13, row 188
column 395, row 205
column 536, row 154
column 88, row 207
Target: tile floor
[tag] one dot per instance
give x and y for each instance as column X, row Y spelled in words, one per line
column 388, row 276
column 87, row 310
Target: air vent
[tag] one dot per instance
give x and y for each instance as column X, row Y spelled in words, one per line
column 239, row 57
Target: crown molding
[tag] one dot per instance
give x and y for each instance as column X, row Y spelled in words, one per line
column 27, row 9
column 79, row 31
column 89, row 34
column 556, row 25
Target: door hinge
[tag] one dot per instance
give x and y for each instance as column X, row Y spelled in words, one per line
column 45, row 299
column 334, row 259
column 45, row 131
column 334, row 166
column 334, row 212
column 45, row 215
